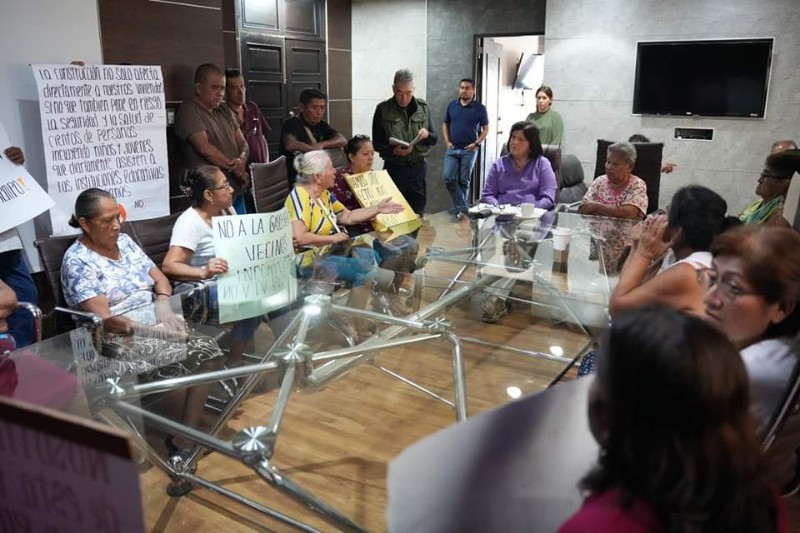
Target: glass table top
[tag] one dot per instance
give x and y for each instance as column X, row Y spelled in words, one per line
column 378, row 379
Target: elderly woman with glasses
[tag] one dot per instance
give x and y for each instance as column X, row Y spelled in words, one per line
column 773, row 186
column 754, row 288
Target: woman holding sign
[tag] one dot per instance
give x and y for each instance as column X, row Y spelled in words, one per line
column 397, row 256
column 316, row 214
column 191, row 255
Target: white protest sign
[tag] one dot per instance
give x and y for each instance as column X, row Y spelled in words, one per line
column 65, row 474
column 21, row 198
column 261, row 273
column 104, row 126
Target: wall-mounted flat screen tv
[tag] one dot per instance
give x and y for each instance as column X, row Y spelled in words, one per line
column 725, row 78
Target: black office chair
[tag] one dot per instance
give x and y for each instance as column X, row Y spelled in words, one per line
column 270, row 185
column 647, row 167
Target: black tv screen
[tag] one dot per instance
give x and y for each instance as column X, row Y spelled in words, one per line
column 725, row 78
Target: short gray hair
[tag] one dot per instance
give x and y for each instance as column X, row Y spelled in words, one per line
column 310, row 164
column 403, row 76
column 626, row 150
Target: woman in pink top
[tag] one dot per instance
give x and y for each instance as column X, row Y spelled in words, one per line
column 670, row 409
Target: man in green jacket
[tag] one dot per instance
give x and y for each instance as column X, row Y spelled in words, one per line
column 408, row 119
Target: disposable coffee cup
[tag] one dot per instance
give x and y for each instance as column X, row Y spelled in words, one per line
column 527, row 210
column 561, row 238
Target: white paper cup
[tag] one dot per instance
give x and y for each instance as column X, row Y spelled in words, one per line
column 561, row 238
column 527, row 210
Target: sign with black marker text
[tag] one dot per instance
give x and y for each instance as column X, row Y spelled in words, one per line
column 104, row 126
column 261, row 272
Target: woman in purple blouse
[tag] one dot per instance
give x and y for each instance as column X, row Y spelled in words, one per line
column 524, row 175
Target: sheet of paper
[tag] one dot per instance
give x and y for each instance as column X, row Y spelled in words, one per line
column 372, row 187
column 104, row 126
column 261, row 271
column 514, row 468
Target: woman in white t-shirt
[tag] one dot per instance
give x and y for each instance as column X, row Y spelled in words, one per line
column 191, row 255
column 682, row 237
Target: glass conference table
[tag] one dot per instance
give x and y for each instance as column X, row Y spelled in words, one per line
column 314, row 411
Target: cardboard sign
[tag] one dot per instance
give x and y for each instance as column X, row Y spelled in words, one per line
column 63, row 474
column 261, row 273
column 372, row 187
column 21, row 197
column 104, row 126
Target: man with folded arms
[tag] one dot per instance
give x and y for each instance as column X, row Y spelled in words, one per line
column 210, row 134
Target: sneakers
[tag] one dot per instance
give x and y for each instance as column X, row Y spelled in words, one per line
column 494, row 308
column 458, row 217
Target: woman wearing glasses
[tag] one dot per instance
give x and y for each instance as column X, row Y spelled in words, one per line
column 773, row 185
column 191, row 255
column 755, row 285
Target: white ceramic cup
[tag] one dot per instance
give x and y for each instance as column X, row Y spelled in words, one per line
column 561, row 238
column 527, row 210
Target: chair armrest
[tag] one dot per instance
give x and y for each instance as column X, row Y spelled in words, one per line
column 96, row 324
column 36, row 313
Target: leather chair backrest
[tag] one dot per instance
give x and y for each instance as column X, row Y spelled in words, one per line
column 270, row 184
column 553, row 154
column 781, row 440
column 647, row 167
column 338, row 157
column 571, row 170
column 51, row 253
column 153, row 236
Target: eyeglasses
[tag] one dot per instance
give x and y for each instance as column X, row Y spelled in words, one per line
column 361, row 137
column 225, row 185
column 764, row 175
column 726, row 287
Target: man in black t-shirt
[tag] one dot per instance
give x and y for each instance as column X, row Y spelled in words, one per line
column 307, row 131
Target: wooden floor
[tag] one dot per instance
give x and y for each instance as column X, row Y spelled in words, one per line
column 337, row 442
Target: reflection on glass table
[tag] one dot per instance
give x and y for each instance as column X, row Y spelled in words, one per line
column 315, row 411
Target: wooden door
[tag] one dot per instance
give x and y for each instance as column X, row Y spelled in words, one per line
column 282, row 44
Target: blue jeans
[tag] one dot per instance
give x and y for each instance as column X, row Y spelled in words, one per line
column 357, row 269
column 14, row 273
column 457, row 173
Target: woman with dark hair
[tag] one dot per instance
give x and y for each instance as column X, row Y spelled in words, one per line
column 682, row 238
column 549, row 122
column 106, row 273
column 772, row 188
column 397, row 258
column 755, row 287
column 524, row 175
column 191, row 255
column 669, row 408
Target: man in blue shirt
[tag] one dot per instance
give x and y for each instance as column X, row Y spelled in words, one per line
column 465, row 126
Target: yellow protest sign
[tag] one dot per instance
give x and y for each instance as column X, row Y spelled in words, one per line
column 372, row 187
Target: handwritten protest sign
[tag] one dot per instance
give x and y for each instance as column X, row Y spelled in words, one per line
column 372, row 187
column 65, row 474
column 104, row 126
column 261, row 273
column 21, row 198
